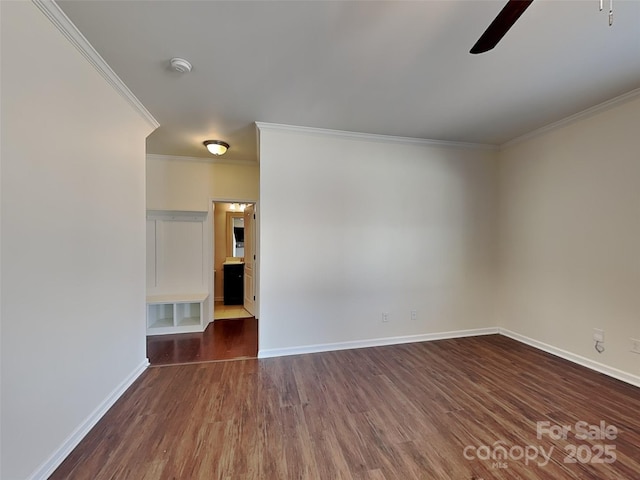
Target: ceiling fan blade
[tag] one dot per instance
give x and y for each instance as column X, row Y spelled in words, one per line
column 500, row 25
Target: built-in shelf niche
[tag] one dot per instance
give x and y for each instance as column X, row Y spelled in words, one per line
column 176, row 272
column 175, row 313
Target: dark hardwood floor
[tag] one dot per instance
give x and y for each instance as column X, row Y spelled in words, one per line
column 221, row 340
column 433, row 410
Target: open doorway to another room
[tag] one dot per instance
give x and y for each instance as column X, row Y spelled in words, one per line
column 234, row 260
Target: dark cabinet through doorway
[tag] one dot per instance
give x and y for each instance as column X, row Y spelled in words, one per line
column 234, row 284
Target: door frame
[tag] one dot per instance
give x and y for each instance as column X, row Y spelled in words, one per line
column 210, row 249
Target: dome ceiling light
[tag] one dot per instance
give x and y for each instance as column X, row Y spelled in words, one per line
column 216, row 147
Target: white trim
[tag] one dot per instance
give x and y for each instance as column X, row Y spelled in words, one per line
column 177, row 215
column 378, row 342
column 209, row 159
column 58, row 456
column 572, row 357
column 53, row 12
column 373, row 137
column 601, row 107
column 375, row 342
column 176, row 298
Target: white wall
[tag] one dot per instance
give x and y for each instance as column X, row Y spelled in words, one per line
column 73, row 240
column 570, row 236
column 188, row 184
column 352, row 227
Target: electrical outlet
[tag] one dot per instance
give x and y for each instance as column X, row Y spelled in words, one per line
column 635, row 345
column 598, row 335
column 385, row 316
column 414, row 314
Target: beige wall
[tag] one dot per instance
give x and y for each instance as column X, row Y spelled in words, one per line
column 73, row 243
column 188, row 184
column 353, row 227
column 570, row 236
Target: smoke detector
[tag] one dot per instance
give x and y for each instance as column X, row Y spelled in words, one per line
column 180, row 65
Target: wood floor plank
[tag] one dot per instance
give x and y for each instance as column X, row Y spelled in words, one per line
column 415, row 411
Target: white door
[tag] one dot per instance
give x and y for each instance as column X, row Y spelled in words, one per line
column 249, row 259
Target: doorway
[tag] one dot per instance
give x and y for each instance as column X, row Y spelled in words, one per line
column 234, row 260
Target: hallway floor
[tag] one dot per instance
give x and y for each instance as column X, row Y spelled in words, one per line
column 220, row 310
column 223, row 339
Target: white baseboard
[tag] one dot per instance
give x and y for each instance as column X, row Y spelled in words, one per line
column 572, row 357
column 378, row 342
column 54, row 461
column 375, row 342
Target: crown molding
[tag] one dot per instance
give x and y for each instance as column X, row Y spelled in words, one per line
column 373, row 137
column 55, row 14
column 601, row 107
column 157, row 156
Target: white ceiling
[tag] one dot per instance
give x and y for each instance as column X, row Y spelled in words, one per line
column 392, row 68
